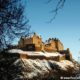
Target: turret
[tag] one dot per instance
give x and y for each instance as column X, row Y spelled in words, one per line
column 68, row 54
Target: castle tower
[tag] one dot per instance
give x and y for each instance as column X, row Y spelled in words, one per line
column 59, row 46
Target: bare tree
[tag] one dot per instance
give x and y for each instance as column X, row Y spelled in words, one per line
column 59, row 5
column 12, row 21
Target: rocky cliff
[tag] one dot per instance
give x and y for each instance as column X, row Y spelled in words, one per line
column 15, row 68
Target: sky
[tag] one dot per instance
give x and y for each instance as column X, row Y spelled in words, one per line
column 66, row 25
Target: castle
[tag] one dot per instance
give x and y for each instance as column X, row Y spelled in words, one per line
column 35, row 43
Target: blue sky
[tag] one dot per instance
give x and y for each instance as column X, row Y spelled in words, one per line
column 66, row 26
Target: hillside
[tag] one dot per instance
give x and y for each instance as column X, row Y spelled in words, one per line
column 15, row 68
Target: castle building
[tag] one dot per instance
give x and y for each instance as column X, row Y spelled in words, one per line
column 53, row 45
column 35, row 43
column 31, row 43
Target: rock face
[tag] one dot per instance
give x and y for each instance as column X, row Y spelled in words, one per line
column 15, row 68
